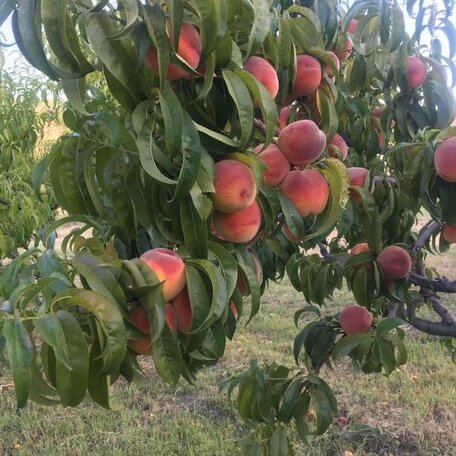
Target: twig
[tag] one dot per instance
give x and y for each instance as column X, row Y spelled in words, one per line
column 324, row 251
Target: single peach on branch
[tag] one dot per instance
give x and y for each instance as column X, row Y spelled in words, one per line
column 264, row 72
column 238, row 227
column 395, row 262
column 308, row 190
column 302, row 142
column 169, row 268
column 445, row 159
column 355, row 319
column 235, row 186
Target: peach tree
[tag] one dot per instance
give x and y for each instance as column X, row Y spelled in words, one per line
column 216, row 146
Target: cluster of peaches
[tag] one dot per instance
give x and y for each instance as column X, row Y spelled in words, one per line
column 169, row 268
column 237, row 215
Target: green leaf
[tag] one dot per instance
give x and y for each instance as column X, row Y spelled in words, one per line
column 72, row 384
column 168, row 357
column 173, row 118
column 261, row 96
column 278, row 443
column 98, row 384
column 248, row 268
column 260, row 26
column 113, row 53
column 387, row 325
column 239, row 92
column 28, row 36
column 194, row 229
column 213, row 22
column 51, row 330
column 110, row 320
column 346, row 344
column 131, row 12
column 323, row 410
column 20, row 356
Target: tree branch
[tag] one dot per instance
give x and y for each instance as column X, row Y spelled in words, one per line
column 425, row 233
column 436, row 328
column 440, row 284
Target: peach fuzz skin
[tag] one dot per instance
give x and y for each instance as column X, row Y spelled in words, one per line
column 302, row 142
column 277, row 165
column 189, row 48
column 284, row 114
column 357, row 176
column 238, row 227
column 328, row 70
column 416, row 72
column 449, row 233
column 140, row 318
column 395, row 262
column 264, row 72
column 235, row 186
column 308, row 75
column 168, row 267
column 183, row 311
column 308, row 190
column 359, row 248
column 338, row 146
column 355, row 319
column 445, row 160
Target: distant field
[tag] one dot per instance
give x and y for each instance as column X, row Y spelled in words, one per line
column 411, row 413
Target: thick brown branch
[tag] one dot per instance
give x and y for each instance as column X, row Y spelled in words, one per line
column 436, row 328
column 440, row 284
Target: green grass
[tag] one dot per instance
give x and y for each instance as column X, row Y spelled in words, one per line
column 410, row 413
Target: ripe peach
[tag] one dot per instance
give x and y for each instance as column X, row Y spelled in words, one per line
column 277, row 164
column 395, row 262
column 140, row 318
column 264, row 72
column 167, row 266
column 284, row 114
column 238, row 227
column 302, row 142
column 235, row 186
column 357, row 176
column 352, row 26
column 355, row 319
column 141, row 346
column 449, row 233
column 328, row 70
column 416, row 72
column 359, row 248
column 170, row 317
column 338, row 146
column 445, row 160
column 183, row 311
column 241, row 285
column 343, row 47
column 308, row 190
column 308, row 75
column 189, row 48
